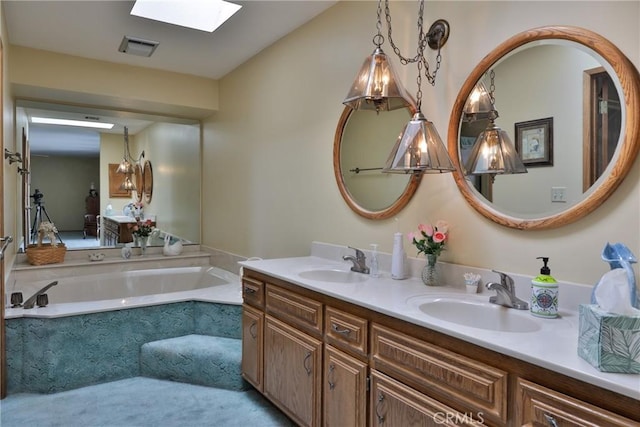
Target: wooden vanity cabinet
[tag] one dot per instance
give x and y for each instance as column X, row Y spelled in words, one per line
column 324, row 361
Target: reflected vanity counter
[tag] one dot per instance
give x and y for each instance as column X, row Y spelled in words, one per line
column 117, row 229
column 548, row 343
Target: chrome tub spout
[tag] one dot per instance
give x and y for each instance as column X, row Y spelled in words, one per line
column 31, row 301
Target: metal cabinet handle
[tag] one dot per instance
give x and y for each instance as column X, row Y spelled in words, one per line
column 336, row 328
column 330, row 376
column 378, row 405
column 305, row 363
column 252, row 330
column 551, row 420
column 249, row 290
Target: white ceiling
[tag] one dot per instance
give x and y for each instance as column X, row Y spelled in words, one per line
column 94, row 29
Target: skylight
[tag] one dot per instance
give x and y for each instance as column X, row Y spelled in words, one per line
column 203, row 15
column 66, row 122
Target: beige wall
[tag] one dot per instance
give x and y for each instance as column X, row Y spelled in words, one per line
column 268, row 181
column 65, row 182
column 9, row 141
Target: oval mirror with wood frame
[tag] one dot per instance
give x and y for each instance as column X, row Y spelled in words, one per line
column 139, row 192
column 362, row 143
column 148, row 181
column 623, row 150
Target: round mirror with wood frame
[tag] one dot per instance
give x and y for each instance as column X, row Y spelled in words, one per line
column 397, row 189
column 626, row 151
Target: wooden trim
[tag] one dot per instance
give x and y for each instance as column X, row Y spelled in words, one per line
column 388, row 212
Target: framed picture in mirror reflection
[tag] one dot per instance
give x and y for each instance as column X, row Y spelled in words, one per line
column 534, row 142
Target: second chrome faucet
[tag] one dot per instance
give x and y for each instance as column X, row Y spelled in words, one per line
column 506, row 293
column 359, row 261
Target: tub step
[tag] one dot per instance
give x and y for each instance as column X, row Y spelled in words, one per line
column 196, row 359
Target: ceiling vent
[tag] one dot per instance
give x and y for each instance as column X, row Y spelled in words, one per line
column 136, row 46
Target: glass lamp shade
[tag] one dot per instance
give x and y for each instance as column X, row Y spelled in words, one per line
column 128, row 184
column 377, row 86
column 419, row 149
column 478, row 105
column 493, row 153
column 125, row 167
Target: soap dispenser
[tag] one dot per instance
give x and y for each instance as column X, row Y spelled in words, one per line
column 398, row 258
column 544, row 293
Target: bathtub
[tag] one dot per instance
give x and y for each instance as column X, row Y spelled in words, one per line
column 128, row 289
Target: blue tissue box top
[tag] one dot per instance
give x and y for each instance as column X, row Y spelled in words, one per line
column 609, row 342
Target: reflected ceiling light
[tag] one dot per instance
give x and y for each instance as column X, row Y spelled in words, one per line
column 493, row 153
column 203, row 15
column 66, row 122
column 479, row 105
column 128, row 163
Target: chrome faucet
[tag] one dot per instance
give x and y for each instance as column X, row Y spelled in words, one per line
column 31, row 301
column 359, row 261
column 506, row 293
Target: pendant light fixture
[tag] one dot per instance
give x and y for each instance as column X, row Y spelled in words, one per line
column 127, row 164
column 377, row 86
column 419, row 148
column 493, row 153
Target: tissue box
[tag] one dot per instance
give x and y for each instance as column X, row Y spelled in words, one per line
column 609, row 342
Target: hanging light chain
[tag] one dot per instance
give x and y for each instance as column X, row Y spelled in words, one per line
column 378, row 39
column 423, row 41
column 492, row 87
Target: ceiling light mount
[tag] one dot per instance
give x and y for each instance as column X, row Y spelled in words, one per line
column 438, row 34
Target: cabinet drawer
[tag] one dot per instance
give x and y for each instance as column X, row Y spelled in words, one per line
column 295, row 309
column 394, row 404
column 346, row 331
column 253, row 292
column 456, row 380
column 540, row 406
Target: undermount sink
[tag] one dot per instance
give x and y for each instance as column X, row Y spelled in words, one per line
column 335, row 276
column 482, row 315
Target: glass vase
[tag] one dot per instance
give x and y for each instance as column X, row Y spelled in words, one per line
column 430, row 271
column 142, row 242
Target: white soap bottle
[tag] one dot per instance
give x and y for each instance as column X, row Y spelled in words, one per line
column 398, row 257
column 374, row 270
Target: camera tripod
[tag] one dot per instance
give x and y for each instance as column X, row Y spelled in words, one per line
column 37, row 220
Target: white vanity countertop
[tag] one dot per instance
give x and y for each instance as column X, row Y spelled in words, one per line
column 553, row 346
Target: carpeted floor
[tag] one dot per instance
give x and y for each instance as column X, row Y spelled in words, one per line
column 141, row 402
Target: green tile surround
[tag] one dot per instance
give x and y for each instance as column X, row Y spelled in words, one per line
column 53, row 355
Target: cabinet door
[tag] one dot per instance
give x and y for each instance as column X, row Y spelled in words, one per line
column 293, row 374
column 345, row 390
column 252, row 342
column 394, row 404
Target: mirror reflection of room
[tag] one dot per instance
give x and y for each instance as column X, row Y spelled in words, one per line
column 547, row 81
column 69, row 169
